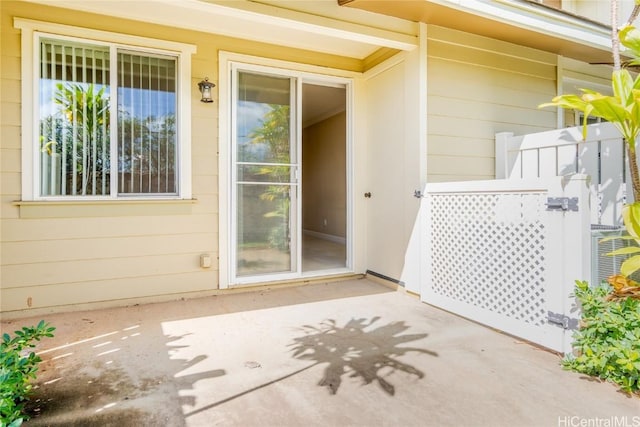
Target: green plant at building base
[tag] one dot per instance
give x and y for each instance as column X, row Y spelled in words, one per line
column 607, row 345
column 18, row 367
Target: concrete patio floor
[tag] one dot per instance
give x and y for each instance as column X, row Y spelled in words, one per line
column 350, row 353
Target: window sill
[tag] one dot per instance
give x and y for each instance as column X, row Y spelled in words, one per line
column 103, row 208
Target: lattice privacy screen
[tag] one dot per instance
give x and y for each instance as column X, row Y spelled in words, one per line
column 488, row 250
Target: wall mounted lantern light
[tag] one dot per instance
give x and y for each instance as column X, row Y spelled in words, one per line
column 205, row 87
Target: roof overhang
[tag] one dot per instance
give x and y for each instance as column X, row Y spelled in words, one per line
column 262, row 22
column 522, row 22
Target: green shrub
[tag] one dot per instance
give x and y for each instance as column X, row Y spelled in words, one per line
column 608, row 342
column 18, row 366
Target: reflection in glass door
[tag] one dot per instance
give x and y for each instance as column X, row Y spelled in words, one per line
column 265, row 175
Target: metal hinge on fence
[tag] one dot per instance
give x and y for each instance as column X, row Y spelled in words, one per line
column 562, row 320
column 562, row 204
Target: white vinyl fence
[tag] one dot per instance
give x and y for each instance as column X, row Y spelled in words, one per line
column 563, row 152
column 506, row 253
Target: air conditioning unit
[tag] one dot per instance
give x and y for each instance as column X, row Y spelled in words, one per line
column 603, row 266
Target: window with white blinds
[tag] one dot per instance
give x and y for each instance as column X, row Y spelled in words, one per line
column 146, row 124
column 107, row 121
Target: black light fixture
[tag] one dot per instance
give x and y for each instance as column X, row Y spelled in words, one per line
column 205, row 87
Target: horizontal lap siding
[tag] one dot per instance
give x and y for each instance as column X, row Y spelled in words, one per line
column 46, row 251
column 113, row 252
column 109, row 290
column 82, row 272
column 476, row 87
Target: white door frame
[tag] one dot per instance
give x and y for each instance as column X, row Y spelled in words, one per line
column 304, row 73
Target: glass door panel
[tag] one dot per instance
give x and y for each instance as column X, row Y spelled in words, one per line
column 265, row 175
column 264, row 229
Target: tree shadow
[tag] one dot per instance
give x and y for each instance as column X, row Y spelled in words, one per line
column 92, row 382
column 359, row 352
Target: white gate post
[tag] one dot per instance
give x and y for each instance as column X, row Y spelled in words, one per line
column 576, row 241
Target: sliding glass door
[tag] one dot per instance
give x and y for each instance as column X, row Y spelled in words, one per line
column 265, row 175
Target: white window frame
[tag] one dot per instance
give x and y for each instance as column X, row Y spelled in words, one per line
column 31, row 32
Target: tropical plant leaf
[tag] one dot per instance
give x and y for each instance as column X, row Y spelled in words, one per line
column 619, row 282
column 622, row 84
column 635, row 115
column 607, row 107
column 608, row 239
column 630, row 38
column 631, row 218
column 630, row 265
column 574, row 102
column 625, row 251
column 569, row 101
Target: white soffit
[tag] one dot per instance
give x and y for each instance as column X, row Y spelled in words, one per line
column 523, row 15
column 253, row 21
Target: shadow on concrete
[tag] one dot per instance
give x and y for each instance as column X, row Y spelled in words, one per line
column 349, row 350
column 139, row 365
column 111, row 379
column 354, row 351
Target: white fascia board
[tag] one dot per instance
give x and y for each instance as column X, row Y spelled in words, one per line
column 526, row 16
column 264, row 23
column 319, row 25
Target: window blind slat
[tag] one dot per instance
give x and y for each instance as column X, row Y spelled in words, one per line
column 65, row 128
column 142, row 136
column 133, row 134
column 74, row 127
column 148, row 108
column 106, row 165
column 121, row 131
column 84, row 125
column 94, row 133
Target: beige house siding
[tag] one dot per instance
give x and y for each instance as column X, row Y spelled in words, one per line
column 55, row 254
column 476, row 87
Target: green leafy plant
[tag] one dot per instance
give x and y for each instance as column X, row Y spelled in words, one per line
column 607, row 345
column 18, row 367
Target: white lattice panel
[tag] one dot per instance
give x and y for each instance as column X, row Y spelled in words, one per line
column 493, row 252
column 488, row 251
